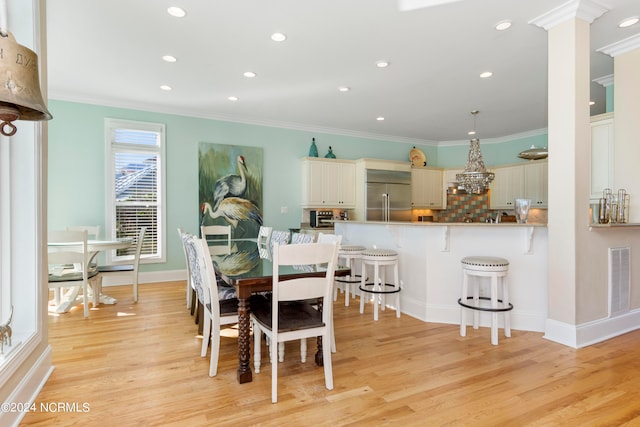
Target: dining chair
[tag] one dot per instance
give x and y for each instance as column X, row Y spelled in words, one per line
column 93, row 233
column 264, row 241
column 216, row 232
column 309, row 238
column 127, row 271
column 190, row 290
column 217, row 313
column 68, row 269
column 300, row 319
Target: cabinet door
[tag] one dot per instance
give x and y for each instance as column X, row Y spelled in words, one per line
column 426, row 188
column 312, row 188
column 332, row 183
column 536, row 183
column 507, row 185
column 348, row 187
column 601, row 156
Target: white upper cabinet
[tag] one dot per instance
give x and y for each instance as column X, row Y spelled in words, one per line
column 507, row 186
column 602, row 161
column 328, row 183
column 536, row 183
column 426, row 188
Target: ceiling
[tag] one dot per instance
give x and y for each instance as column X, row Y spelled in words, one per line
column 110, row 52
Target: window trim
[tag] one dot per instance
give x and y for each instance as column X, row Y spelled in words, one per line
column 110, row 124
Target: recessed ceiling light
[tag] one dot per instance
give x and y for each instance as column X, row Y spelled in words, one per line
column 382, row 64
column 169, row 58
column 165, row 87
column 177, row 12
column 380, row 119
column 278, row 37
column 471, row 132
column 233, row 98
column 249, row 74
column 344, row 88
column 628, row 22
column 592, row 103
column 503, row 25
column 486, row 74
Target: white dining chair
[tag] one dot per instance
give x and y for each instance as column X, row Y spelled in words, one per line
column 127, row 271
column 217, row 313
column 190, row 290
column 264, row 241
column 68, row 269
column 300, row 319
column 216, row 232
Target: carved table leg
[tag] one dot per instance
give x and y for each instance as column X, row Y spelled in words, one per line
column 244, row 335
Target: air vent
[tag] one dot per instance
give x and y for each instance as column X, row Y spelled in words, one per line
column 619, row 280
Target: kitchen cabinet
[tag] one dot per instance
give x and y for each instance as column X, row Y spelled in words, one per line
column 328, row 183
column 536, row 183
column 602, row 161
column 426, row 188
column 507, row 185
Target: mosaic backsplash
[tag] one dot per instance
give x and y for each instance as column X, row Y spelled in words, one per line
column 474, row 206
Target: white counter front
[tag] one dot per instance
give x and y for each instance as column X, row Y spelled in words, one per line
column 431, row 273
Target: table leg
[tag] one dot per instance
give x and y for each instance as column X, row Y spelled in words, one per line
column 244, row 335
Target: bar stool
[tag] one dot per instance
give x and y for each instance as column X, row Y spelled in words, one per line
column 495, row 268
column 380, row 259
column 350, row 254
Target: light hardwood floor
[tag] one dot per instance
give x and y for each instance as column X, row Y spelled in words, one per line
column 139, row 364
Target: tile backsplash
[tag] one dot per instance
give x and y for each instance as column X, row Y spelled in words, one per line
column 474, row 206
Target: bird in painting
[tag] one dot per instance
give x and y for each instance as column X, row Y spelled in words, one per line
column 233, row 209
column 231, row 185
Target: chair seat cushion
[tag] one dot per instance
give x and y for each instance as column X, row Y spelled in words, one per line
column 293, row 315
column 229, row 307
column 115, row 268
column 226, row 292
column 70, row 275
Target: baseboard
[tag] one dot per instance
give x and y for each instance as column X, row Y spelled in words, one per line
column 28, row 388
column 520, row 320
column 148, row 277
column 586, row 334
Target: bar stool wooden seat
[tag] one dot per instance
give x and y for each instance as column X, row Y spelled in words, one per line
column 474, row 269
column 380, row 260
column 349, row 254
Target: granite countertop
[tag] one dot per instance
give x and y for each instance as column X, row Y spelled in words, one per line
column 441, row 224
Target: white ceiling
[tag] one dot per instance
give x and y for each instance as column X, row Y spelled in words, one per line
column 109, row 52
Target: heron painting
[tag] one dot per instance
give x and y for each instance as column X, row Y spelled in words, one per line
column 230, row 187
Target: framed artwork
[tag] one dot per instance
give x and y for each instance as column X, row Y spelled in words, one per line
column 230, row 187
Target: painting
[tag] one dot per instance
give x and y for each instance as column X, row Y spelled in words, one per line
column 230, row 187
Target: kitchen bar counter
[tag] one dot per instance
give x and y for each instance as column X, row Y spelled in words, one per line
column 430, row 270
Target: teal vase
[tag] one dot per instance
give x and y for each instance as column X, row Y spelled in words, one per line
column 330, row 154
column 313, row 150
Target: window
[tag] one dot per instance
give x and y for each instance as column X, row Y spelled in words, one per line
column 135, row 193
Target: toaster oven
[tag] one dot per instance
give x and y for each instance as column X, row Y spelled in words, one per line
column 321, row 219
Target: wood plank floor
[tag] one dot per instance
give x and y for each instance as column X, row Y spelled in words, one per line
column 139, row 365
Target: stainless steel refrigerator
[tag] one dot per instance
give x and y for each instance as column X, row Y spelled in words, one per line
column 388, row 195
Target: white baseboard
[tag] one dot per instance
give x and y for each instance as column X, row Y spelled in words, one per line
column 148, row 277
column 28, row 388
column 586, row 334
column 520, row 320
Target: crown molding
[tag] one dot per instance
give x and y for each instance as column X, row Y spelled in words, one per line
column 500, row 140
column 604, row 80
column 587, row 10
column 622, row 46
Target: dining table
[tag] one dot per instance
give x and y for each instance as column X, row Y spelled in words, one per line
column 249, row 273
column 94, row 247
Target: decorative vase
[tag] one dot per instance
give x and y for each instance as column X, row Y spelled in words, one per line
column 313, row 150
column 330, row 154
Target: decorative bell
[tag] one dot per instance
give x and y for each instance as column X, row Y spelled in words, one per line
column 20, row 96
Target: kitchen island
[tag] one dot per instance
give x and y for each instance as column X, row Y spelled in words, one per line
column 431, row 273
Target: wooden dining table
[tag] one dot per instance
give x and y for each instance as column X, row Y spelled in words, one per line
column 249, row 274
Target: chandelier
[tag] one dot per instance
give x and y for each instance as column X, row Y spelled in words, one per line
column 475, row 178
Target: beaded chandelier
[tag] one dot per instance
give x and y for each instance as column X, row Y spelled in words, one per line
column 475, row 178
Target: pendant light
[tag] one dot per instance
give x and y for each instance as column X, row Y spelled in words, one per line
column 475, row 178
column 20, row 95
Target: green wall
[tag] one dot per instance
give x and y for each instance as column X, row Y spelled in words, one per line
column 76, row 162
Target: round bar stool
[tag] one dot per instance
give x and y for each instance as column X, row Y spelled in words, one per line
column 475, row 268
column 350, row 254
column 380, row 260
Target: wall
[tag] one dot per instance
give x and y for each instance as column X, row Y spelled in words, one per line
column 77, row 164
